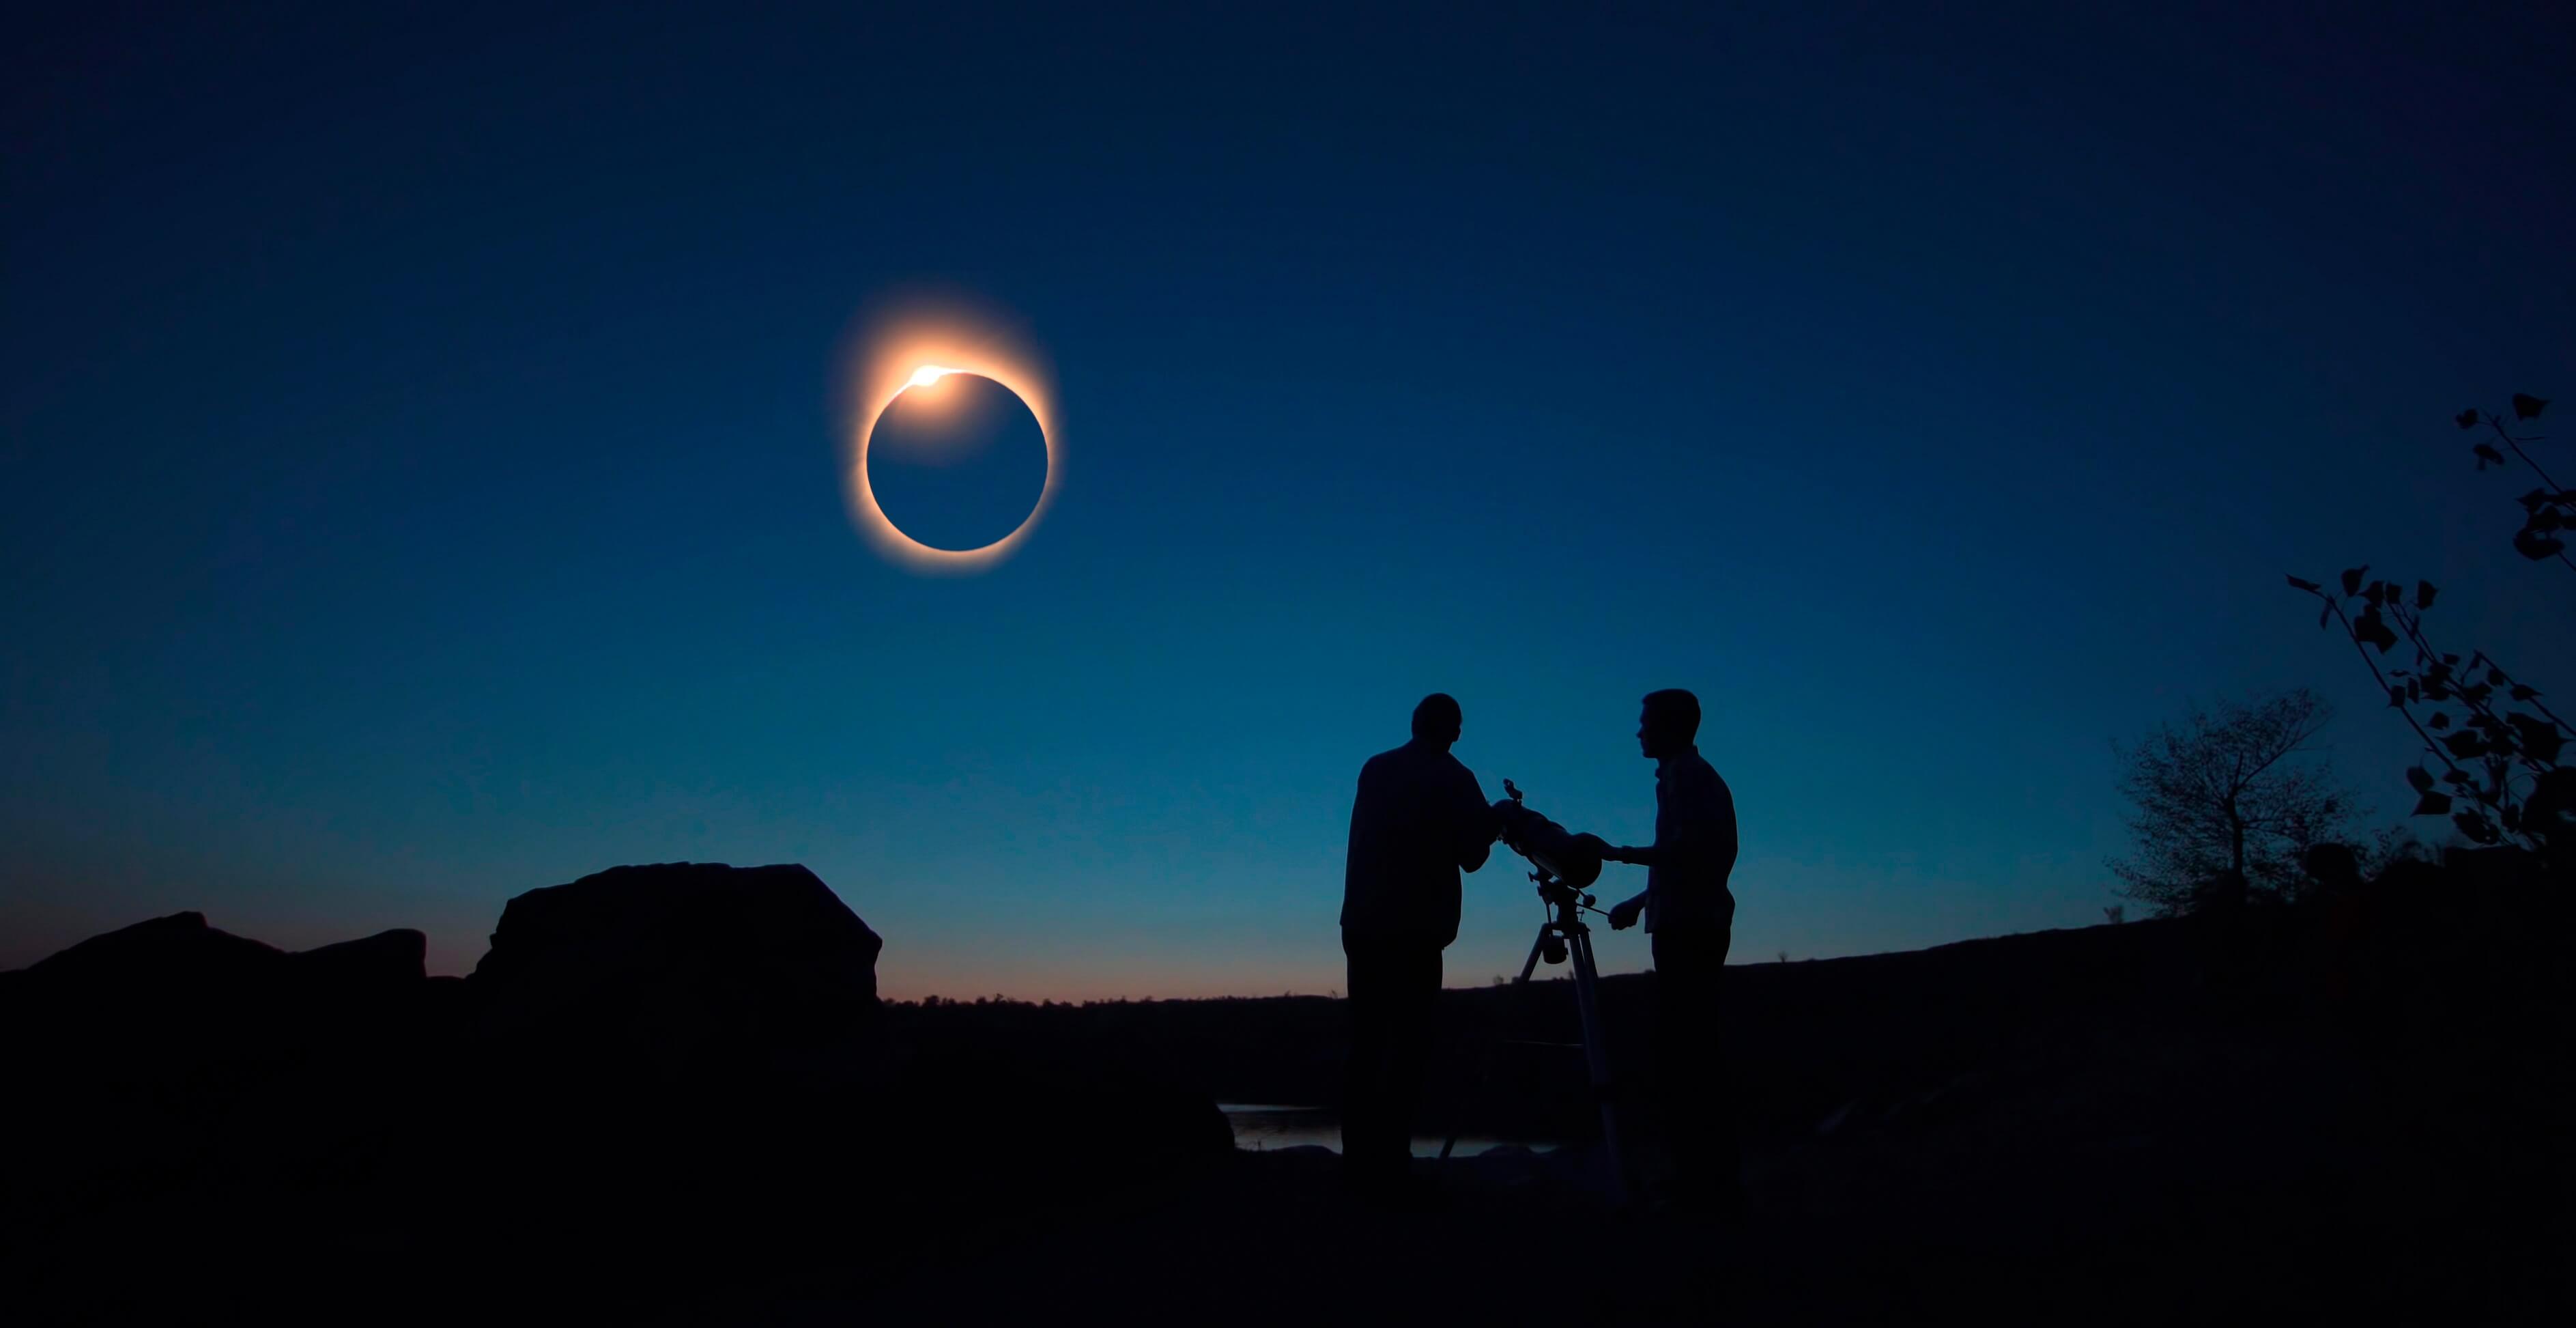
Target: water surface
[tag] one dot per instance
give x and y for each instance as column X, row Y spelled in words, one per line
column 1259, row 1127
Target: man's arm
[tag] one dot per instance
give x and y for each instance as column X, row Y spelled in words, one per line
column 1705, row 828
column 1477, row 828
column 1677, row 845
column 1623, row 914
column 1704, row 831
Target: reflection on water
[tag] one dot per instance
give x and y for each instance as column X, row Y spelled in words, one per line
column 1259, row 1126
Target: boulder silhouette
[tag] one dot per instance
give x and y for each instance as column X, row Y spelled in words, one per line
column 389, row 961
column 137, row 1058
column 678, row 961
column 676, row 1066
column 172, row 996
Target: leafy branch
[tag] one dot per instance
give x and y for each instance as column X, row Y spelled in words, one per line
column 2547, row 510
column 2506, row 745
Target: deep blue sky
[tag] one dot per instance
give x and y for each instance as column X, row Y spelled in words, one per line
column 422, row 477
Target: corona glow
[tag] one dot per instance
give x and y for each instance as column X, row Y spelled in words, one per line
column 917, row 352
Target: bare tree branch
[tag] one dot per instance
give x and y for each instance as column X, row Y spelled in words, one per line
column 2221, row 795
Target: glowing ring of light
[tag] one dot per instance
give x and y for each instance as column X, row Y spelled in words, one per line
column 880, row 528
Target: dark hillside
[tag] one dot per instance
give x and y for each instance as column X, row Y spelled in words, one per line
column 673, row 1095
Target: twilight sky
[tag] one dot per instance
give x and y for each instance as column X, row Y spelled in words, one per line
column 423, row 465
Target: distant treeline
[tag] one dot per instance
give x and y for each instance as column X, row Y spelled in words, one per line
column 2438, row 947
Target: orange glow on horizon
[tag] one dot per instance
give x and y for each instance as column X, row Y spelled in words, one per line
column 918, row 349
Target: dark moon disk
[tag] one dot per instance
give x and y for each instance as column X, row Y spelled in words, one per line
column 958, row 463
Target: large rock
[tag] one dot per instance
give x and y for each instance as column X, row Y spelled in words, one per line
column 136, row 1056
column 167, row 997
column 678, row 961
column 162, row 953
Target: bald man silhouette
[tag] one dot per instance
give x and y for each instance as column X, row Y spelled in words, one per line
column 1419, row 819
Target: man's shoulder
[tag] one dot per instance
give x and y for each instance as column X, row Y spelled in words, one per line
column 1379, row 761
column 1697, row 773
column 1393, row 763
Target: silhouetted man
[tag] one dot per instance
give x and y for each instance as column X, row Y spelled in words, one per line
column 1418, row 821
column 1690, row 916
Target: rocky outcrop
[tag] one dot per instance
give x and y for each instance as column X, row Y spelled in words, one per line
column 678, row 1066
column 164, row 999
column 678, row 961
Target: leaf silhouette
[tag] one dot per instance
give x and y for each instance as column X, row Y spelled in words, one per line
column 2536, row 546
column 2464, row 745
column 2541, row 739
column 2456, row 777
column 2439, row 720
column 2432, row 804
column 2396, row 698
column 2531, row 501
column 2298, row 583
column 2467, row 419
column 2419, row 779
column 2475, row 826
column 2523, row 691
column 2424, row 593
column 2369, row 627
column 2352, row 579
column 2486, row 454
column 2528, row 407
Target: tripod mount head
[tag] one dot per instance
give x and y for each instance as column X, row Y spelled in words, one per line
column 1565, row 864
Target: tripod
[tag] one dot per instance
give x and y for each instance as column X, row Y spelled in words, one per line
column 1564, row 934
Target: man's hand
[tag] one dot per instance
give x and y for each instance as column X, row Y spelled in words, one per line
column 1623, row 914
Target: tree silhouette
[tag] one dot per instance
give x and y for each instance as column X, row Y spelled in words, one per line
column 2224, row 798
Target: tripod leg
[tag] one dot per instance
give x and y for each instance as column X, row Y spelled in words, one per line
column 1531, row 965
column 1587, row 999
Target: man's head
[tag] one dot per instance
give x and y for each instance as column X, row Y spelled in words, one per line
column 1437, row 720
column 1669, row 725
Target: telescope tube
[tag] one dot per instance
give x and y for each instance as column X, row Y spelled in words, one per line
column 1572, row 859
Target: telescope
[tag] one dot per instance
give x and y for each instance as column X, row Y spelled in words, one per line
column 1574, row 860
column 1566, row 863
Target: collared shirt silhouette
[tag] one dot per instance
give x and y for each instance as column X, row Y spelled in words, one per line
column 1689, row 910
column 1418, row 821
column 1694, row 849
